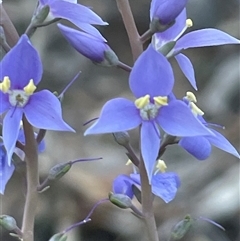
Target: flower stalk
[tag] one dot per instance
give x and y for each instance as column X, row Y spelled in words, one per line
column 31, row 159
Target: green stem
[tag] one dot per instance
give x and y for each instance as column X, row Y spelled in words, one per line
column 129, row 23
column 31, row 159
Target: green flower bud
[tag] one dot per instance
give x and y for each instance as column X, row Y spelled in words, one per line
column 181, row 228
column 58, row 237
column 8, row 222
column 122, row 138
column 120, row 200
column 41, row 16
column 58, row 171
column 110, row 58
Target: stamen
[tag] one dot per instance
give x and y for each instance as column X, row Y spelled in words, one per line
column 196, row 110
column 5, row 85
column 30, row 88
column 142, row 101
column 161, row 100
column 161, row 166
column 189, row 23
column 129, row 162
column 191, row 97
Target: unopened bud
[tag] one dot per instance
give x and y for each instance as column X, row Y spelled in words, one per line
column 120, row 200
column 41, row 16
column 122, row 138
column 2, row 35
column 58, row 237
column 8, row 222
column 58, row 171
column 181, row 228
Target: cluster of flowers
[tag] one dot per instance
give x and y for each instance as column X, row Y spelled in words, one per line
column 151, row 81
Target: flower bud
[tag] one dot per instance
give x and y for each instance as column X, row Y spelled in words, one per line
column 181, row 228
column 58, row 171
column 163, row 13
column 96, row 49
column 122, row 138
column 41, row 16
column 58, row 237
column 8, row 222
column 120, row 200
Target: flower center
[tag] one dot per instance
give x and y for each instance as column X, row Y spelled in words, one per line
column 17, row 98
column 148, row 110
column 191, row 99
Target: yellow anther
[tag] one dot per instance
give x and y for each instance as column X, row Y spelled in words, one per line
column 161, row 166
column 189, row 23
column 30, row 88
column 195, row 109
column 142, row 102
column 5, row 85
column 161, row 100
column 191, row 97
column 129, row 162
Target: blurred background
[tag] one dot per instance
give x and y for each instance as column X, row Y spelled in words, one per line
column 209, row 188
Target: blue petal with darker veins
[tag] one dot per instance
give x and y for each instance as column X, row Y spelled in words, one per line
column 204, row 38
column 18, row 68
column 151, row 75
column 187, row 69
column 222, row 143
column 198, row 146
column 176, row 119
column 11, row 127
column 117, row 115
column 44, row 112
column 150, row 145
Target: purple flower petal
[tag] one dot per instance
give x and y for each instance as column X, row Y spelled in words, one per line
column 4, row 104
column 150, row 144
column 198, row 146
column 17, row 65
column 11, row 126
column 75, row 13
column 171, row 33
column 151, row 74
column 165, row 185
column 187, row 69
column 166, row 11
column 89, row 46
column 204, row 38
column 117, row 115
column 222, row 143
column 6, row 170
column 176, row 119
column 44, row 112
column 122, row 184
column 88, row 28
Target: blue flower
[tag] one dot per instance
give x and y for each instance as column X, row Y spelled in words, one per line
column 194, row 39
column 151, row 81
column 77, row 14
column 200, row 146
column 164, row 185
column 91, row 47
column 21, row 71
column 166, row 11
